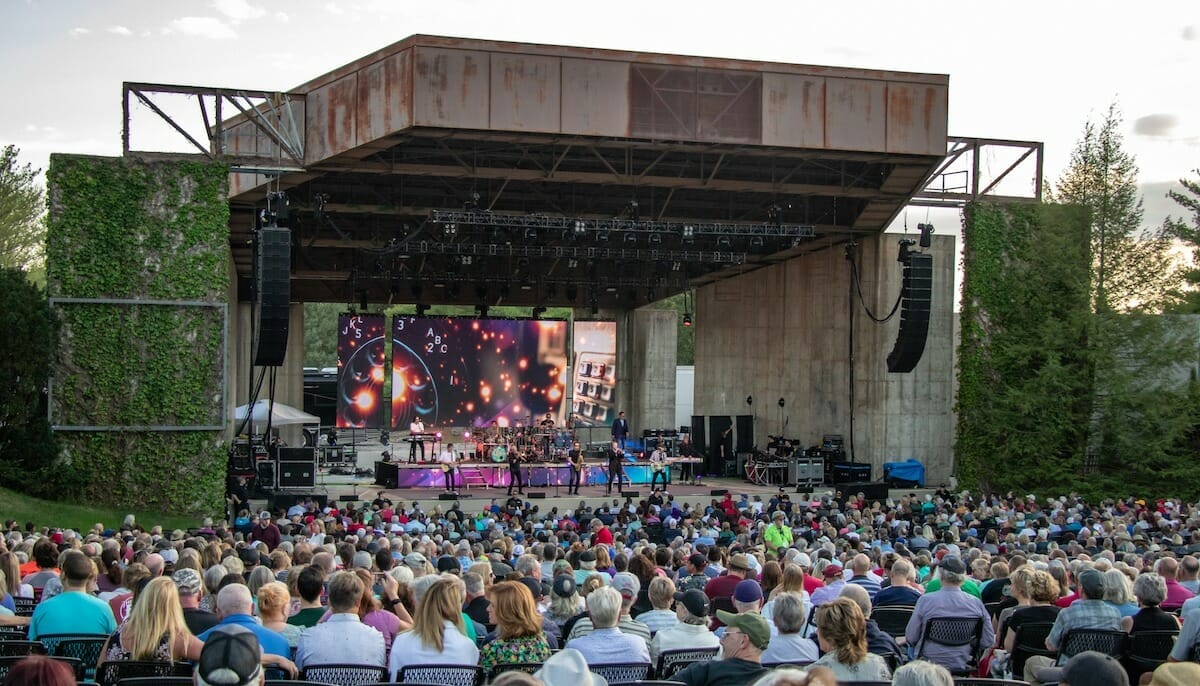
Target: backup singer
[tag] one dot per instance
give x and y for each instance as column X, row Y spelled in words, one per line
column 575, row 462
column 415, row 440
column 616, row 467
column 447, row 460
column 514, row 470
column 658, row 466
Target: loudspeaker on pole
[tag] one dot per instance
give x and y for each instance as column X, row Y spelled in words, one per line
column 915, row 297
column 272, row 295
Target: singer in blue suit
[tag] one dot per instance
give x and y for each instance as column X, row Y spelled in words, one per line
column 620, row 430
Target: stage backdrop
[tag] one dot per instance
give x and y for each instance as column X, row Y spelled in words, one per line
column 458, row 371
column 361, row 358
column 595, row 373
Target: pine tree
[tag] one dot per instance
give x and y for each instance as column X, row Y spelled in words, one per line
column 22, row 209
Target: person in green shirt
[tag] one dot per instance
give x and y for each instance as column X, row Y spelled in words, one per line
column 778, row 535
column 310, row 583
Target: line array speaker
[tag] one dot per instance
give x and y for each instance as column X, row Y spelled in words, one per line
column 272, row 295
column 915, row 299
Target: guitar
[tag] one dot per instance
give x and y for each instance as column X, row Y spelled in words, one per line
column 658, row 465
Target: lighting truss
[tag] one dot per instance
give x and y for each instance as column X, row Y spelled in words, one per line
column 576, row 252
column 582, row 227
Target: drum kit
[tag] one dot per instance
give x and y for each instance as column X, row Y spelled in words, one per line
column 550, row 445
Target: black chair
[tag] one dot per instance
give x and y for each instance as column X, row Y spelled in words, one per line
column 892, row 619
column 83, row 647
column 160, row 681
column 649, row 682
column 110, row 673
column 19, row 633
column 448, row 675
column 527, row 667
column 344, row 674
column 799, row 664
column 1147, row 650
column 1079, row 640
column 623, row 672
column 18, row 647
column 954, row 632
column 8, row 661
column 1030, row 640
column 976, row 681
column 289, row 682
column 993, row 609
column 23, row 607
column 671, row 661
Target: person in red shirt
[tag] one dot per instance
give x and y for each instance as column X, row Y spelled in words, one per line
column 729, row 506
column 722, row 586
column 266, row 531
column 601, row 535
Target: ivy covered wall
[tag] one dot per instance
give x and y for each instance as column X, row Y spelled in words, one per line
column 153, row 231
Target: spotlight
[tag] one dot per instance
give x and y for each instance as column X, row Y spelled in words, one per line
column 450, row 229
column 466, row 260
column 602, row 236
column 926, row 235
column 689, row 233
column 723, row 242
column 631, row 237
column 756, row 241
column 531, row 234
column 655, row 239
column 580, row 227
column 482, row 311
column 362, row 300
column 572, row 263
column 676, row 266
column 687, row 319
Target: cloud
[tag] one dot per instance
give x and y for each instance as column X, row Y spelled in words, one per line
column 120, row 30
column 282, row 17
column 334, row 8
column 78, row 31
column 1157, row 124
column 202, row 27
column 1189, row 32
column 238, row 10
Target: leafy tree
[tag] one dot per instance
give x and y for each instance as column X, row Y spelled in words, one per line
column 22, row 209
column 27, row 447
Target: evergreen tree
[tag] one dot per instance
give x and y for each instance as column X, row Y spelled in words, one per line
column 22, row 210
column 1187, row 300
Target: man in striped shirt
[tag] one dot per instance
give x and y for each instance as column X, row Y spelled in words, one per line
column 861, row 568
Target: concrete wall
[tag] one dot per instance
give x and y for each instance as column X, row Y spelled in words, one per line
column 784, row 332
column 646, row 346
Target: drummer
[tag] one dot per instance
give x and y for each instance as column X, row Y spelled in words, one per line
column 547, row 434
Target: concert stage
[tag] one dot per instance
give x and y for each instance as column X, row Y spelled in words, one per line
column 495, row 475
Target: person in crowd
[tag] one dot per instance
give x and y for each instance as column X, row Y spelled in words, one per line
column 948, row 601
column 235, row 607
column 693, row 576
column 75, row 610
column 842, row 636
column 39, row 670
column 371, row 612
column 1118, row 591
column 833, row 585
column 1088, row 668
column 1089, row 612
column 519, row 635
column 861, row 575
column 439, row 635
column 342, row 638
column 878, row 641
column 273, row 604
column 789, row 644
column 266, row 531
column 191, row 591
column 603, row 642
column 691, row 631
column 662, row 595
column 792, row 581
column 310, row 584
column 121, row 603
column 231, row 657
column 902, row 586
column 155, row 629
column 565, row 602
column 778, row 535
column 1035, row 591
column 627, row 586
column 747, row 635
column 1150, row 591
column 1177, row 595
column 922, row 673
column 791, row 676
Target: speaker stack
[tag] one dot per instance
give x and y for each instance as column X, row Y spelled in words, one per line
column 272, row 295
column 915, row 297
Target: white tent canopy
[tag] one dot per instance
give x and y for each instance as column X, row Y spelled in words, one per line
column 281, row 415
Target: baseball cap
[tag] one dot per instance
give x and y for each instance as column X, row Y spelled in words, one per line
column 695, row 601
column 627, row 584
column 564, row 586
column 739, row 561
column 750, row 623
column 414, row 559
column 952, row 564
column 1092, row 583
column 747, row 591
column 231, row 657
column 187, row 581
column 264, row 515
column 833, row 570
column 446, row 563
column 804, row 560
column 1089, row 667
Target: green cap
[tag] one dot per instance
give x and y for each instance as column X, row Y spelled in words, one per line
column 752, row 624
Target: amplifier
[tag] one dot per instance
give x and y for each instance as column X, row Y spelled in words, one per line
column 851, row 472
column 297, row 474
column 870, row 491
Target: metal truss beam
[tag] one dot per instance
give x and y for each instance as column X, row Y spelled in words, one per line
column 959, row 179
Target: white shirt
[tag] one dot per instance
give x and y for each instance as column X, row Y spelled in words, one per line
column 658, row 456
column 342, row 638
column 682, row 636
column 416, row 427
column 446, row 457
column 407, row 649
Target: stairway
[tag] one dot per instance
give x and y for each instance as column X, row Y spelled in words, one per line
column 471, row 476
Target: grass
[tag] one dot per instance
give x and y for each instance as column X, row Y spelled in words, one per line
column 63, row 515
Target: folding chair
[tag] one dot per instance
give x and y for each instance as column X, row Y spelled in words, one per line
column 448, row 675
column 527, row 667
column 1030, row 640
column 954, row 632
column 671, row 661
column 83, row 647
column 344, row 674
column 112, row 672
column 623, row 672
column 892, row 619
column 1146, row 651
column 23, row 607
column 21, row 648
column 1079, row 640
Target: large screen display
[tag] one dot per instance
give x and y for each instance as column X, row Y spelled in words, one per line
column 453, row 371
column 361, row 358
column 594, row 386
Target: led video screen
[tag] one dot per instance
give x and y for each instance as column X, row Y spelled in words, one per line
column 361, row 358
column 594, row 383
column 458, row 371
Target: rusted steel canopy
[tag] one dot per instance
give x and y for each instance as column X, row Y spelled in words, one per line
column 548, row 136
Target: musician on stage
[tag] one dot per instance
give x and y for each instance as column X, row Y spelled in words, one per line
column 514, row 470
column 575, row 469
column 415, row 429
column 658, row 466
column 448, row 461
column 546, row 427
column 620, row 430
column 616, row 466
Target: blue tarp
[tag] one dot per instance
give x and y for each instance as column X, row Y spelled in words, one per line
column 909, row 470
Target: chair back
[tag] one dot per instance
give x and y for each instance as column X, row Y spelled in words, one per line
column 14, row 632
column 527, row 667
column 449, row 675
column 1079, row 640
column 22, row 648
column 976, row 681
column 650, row 682
column 1147, row 650
column 623, row 672
column 344, row 674
column 1030, row 640
column 83, row 647
column 111, row 673
column 799, row 664
column 23, row 607
column 892, row 619
column 159, row 681
column 953, row 632
column 671, row 661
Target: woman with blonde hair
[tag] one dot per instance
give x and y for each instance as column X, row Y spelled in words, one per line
column 519, row 635
column 155, row 629
column 792, row 581
column 438, row 635
column 842, row 634
column 274, row 602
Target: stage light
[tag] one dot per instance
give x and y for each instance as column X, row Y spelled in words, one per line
column 481, row 311
column 926, row 235
column 631, row 237
column 724, row 242
column 687, row 319
column 580, row 227
column 466, row 435
column 467, row 260
column 362, row 300
column 689, row 233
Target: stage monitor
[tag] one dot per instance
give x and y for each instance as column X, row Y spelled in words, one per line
column 361, row 357
column 594, row 378
column 460, row 371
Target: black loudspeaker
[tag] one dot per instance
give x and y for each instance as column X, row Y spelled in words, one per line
column 718, row 491
column 537, row 495
column 698, row 442
column 870, row 491
column 282, row 501
column 915, row 299
column 297, row 474
column 631, row 494
column 272, row 295
column 720, row 429
column 745, row 433
column 447, row 496
column 266, row 473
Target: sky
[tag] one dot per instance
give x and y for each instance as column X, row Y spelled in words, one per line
column 1018, row 70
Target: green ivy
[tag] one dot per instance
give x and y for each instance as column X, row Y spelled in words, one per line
column 122, row 228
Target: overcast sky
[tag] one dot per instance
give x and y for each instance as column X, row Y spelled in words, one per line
column 1018, row 70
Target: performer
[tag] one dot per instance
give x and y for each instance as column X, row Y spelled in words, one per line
column 547, row 431
column 514, row 470
column 616, row 467
column 658, row 466
column 415, row 429
column 620, row 430
column 449, row 466
column 575, row 472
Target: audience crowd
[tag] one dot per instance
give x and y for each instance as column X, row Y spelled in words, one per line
column 782, row 591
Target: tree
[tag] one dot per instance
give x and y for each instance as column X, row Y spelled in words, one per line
column 1187, row 300
column 22, row 212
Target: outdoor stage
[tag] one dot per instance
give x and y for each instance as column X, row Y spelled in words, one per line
column 402, row 475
